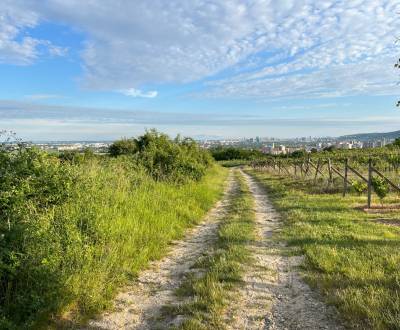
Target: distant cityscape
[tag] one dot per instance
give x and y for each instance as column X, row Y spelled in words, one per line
column 273, row 146
column 286, row 146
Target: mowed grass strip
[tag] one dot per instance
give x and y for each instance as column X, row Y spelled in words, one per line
column 221, row 270
column 352, row 260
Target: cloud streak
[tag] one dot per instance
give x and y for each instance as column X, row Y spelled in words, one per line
column 133, row 92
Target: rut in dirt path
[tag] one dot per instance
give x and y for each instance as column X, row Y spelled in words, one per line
column 138, row 307
column 273, row 295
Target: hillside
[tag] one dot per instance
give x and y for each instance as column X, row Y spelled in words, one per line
column 371, row 136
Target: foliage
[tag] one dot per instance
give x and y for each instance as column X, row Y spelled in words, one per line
column 176, row 160
column 72, row 231
column 31, row 182
column 164, row 159
column 330, row 148
column 380, row 186
column 298, row 153
column 232, row 153
column 396, row 143
column 359, row 186
column 122, row 147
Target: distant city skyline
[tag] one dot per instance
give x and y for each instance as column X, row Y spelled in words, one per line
column 96, row 70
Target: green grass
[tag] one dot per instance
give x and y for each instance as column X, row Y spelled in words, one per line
column 78, row 253
column 222, row 268
column 352, row 260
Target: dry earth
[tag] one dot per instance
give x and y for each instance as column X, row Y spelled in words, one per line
column 273, row 295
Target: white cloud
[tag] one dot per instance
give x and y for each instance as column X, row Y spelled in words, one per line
column 133, row 92
column 286, row 48
column 16, row 46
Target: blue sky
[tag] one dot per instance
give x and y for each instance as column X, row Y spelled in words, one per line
column 72, row 70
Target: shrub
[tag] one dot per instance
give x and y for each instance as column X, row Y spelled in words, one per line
column 31, row 182
column 232, row 153
column 298, row 153
column 359, row 186
column 123, row 147
column 380, row 186
column 176, row 160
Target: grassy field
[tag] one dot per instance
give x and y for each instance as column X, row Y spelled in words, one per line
column 353, row 260
column 223, row 266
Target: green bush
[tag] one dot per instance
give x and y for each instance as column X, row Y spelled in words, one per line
column 232, row 153
column 359, row 186
column 123, row 147
column 177, row 160
column 381, row 187
column 31, row 182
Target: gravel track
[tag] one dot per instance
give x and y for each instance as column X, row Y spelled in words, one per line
column 273, row 295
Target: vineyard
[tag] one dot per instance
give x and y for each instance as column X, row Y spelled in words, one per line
column 352, row 172
column 341, row 212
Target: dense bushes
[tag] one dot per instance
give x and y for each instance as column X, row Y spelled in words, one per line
column 236, row 153
column 31, row 183
column 72, row 229
column 164, row 159
column 123, row 147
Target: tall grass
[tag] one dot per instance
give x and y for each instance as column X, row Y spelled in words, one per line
column 351, row 259
column 72, row 233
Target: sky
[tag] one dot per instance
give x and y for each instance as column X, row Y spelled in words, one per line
column 101, row 70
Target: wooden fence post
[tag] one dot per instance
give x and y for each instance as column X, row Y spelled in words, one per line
column 369, row 182
column 316, row 171
column 330, row 171
column 345, row 177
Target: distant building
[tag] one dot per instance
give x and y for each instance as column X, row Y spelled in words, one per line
column 272, row 150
